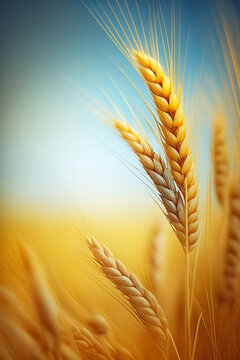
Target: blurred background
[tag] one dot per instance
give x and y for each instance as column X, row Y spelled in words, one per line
column 59, row 164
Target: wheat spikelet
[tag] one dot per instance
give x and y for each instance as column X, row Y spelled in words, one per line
column 119, row 352
column 98, row 324
column 19, row 341
column 67, row 354
column 220, row 159
column 231, row 265
column 156, row 258
column 155, row 167
column 142, row 300
column 173, row 132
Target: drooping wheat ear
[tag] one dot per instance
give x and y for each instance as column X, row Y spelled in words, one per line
column 161, row 176
column 231, row 265
column 87, row 344
column 173, row 132
column 156, row 258
column 98, row 324
column 45, row 305
column 143, row 302
column 220, row 159
column 19, row 341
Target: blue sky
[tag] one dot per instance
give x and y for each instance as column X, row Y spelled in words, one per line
column 54, row 151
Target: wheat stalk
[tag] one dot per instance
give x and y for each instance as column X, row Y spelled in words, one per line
column 155, row 167
column 220, row 159
column 175, row 141
column 231, row 264
column 143, row 302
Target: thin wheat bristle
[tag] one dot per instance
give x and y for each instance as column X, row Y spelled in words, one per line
column 142, row 300
column 220, row 159
column 161, row 176
column 231, row 264
column 173, row 132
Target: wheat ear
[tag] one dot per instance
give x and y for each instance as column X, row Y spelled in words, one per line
column 46, row 307
column 220, row 159
column 174, row 138
column 86, row 342
column 156, row 258
column 143, row 302
column 13, row 305
column 100, row 326
column 231, row 265
column 161, row 176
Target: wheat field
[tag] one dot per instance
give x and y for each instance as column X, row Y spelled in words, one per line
column 168, row 286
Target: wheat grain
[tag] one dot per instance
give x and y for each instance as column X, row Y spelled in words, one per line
column 142, row 300
column 155, row 167
column 98, row 324
column 231, row 264
column 174, row 137
column 220, row 159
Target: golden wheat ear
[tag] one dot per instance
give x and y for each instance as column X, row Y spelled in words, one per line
column 231, row 262
column 9, row 301
column 160, row 175
column 46, row 307
column 157, row 257
column 173, row 133
column 142, row 301
column 86, row 342
column 220, row 159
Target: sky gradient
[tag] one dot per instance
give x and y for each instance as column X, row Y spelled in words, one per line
column 54, row 151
